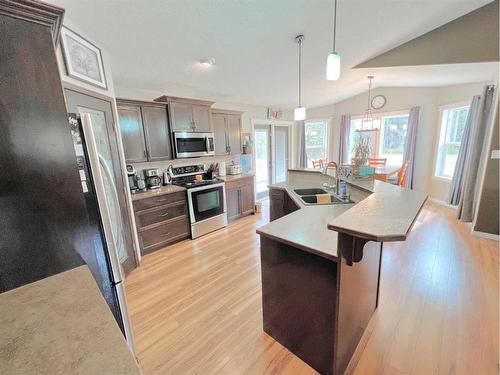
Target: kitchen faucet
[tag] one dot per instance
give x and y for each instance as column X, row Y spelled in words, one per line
column 332, row 165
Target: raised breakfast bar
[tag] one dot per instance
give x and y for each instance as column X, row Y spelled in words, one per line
column 321, row 264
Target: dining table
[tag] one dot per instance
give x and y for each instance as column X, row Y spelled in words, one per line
column 383, row 173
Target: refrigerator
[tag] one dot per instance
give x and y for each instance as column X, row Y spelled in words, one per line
column 102, row 205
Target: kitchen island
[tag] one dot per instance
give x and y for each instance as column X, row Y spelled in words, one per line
column 321, row 265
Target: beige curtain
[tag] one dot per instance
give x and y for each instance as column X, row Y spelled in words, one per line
column 302, row 160
column 411, row 145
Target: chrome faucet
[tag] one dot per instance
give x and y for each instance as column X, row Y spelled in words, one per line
column 332, row 165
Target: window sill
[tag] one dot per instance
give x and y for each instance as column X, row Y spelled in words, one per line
column 442, row 179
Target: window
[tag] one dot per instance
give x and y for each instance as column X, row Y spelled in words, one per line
column 388, row 142
column 316, row 138
column 450, row 138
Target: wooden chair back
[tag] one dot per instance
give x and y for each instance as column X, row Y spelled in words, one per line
column 402, row 174
column 318, row 163
column 375, row 162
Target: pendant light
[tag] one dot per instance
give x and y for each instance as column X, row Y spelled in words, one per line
column 367, row 122
column 299, row 114
column 333, row 60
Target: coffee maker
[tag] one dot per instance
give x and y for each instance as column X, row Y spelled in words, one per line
column 132, row 179
column 153, row 179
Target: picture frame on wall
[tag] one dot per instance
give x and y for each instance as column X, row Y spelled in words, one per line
column 83, row 60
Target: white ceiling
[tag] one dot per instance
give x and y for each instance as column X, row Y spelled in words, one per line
column 155, row 45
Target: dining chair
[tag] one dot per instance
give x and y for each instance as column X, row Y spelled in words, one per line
column 402, row 174
column 318, row 163
column 377, row 162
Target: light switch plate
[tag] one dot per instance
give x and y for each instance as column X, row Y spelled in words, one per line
column 495, row 154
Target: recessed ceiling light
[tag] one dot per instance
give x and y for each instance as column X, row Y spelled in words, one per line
column 208, row 62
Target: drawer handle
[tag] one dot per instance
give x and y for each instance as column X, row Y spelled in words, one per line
column 161, row 200
column 165, row 234
column 163, row 215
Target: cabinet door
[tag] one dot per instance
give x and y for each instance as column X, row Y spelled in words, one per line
column 157, row 134
column 234, row 132
column 132, row 130
column 201, row 119
column 220, row 134
column 233, row 203
column 181, row 117
column 289, row 205
column 247, row 202
column 277, row 198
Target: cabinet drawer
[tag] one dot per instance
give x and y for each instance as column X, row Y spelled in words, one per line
column 162, row 213
column 160, row 200
column 154, row 238
column 234, row 184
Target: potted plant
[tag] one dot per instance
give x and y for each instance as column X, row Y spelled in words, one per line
column 362, row 150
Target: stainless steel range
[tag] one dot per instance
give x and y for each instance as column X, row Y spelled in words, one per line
column 206, row 199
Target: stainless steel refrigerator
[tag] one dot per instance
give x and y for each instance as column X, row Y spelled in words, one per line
column 95, row 166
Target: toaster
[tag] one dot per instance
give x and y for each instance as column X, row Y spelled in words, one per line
column 233, row 169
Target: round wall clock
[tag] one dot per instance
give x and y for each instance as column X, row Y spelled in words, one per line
column 378, row 101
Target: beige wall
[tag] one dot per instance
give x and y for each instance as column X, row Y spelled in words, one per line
column 403, row 98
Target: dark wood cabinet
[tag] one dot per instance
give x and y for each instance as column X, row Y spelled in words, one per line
column 161, row 220
column 145, row 131
column 188, row 115
column 227, row 132
column 240, row 197
column 281, row 204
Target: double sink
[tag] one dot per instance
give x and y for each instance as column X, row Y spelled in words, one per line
column 309, row 196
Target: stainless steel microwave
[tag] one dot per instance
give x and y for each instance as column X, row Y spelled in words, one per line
column 193, row 145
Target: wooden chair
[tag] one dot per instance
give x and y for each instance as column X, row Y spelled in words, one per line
column 318, row 163
column 374, row 162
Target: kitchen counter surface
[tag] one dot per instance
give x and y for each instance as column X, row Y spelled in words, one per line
column 233, row 177
column 166, row 189
column 381, row 212
column 61, row 325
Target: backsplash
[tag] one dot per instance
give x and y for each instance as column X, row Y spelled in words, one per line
column 163, row 165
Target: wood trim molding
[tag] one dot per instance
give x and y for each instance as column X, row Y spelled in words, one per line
column 36, row 12
column 168, row 99
column 121, row 101
column 226, row 112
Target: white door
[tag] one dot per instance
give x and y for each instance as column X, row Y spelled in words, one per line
column 281, row 153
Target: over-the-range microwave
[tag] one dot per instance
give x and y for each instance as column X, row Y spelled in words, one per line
column 193, row 145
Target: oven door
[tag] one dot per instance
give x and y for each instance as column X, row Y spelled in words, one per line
column 206, row 202
column 190, row 145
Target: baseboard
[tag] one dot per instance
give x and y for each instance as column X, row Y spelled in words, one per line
column 489, row 236
column 441, row 202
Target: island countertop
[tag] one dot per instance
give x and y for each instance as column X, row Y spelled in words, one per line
column 384, row 212
column 61, row 325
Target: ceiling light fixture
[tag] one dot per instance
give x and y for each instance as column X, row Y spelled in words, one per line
column 333, row 60
column 299, row 114
column 208, row 62
column 367, row 122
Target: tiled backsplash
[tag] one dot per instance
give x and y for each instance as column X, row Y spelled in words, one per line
column 163, row 165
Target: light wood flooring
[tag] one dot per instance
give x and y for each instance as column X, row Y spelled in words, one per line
column 196, row 306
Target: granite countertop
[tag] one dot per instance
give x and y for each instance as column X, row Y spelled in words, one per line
column 61, row 325
column 381, row 212
column 235, row 176
column 162, row 190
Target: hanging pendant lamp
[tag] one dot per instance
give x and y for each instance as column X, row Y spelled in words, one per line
column 333, row 60
column 299, row 114
column 367, row 122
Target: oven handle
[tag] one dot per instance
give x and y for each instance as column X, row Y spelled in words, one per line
column 207, row 144
column 205, row 187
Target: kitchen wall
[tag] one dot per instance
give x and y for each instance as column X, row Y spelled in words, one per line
column 403, row 98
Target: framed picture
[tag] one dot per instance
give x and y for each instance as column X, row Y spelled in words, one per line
column 274, row 114
column 83, row 60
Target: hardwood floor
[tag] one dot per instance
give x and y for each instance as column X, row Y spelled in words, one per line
column 196, row 306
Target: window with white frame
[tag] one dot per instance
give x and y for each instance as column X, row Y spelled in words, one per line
column 388, row 142
column 453, row 120
column 316, row 140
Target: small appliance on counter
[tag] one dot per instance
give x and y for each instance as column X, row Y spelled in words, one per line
column 132, row 179
column 141, row 183
column 153, row 179
column 233, row 169
column 167, row 176
column 221, row 169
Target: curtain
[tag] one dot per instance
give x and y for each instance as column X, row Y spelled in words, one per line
column 345, row 129
column 302, row 161
column 411, row 144
column 467, row 203
column 457, row 183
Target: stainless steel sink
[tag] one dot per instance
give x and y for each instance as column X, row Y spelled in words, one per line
column 310, row 191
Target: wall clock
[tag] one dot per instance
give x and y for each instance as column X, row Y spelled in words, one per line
column 378, row 101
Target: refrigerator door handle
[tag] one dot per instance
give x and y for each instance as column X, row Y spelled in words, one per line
column 101, row 196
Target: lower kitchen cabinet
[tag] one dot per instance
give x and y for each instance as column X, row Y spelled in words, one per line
column 161, row 220
column 281, row 204
column 240, row 197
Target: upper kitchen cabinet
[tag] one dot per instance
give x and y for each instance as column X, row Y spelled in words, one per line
column 227, row 131
column 188, row 115
column 145, row 132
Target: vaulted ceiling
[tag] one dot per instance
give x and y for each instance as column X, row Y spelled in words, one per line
column 155, row 45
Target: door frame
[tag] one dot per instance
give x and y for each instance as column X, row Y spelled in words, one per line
column 272, row 124
column 121, row 158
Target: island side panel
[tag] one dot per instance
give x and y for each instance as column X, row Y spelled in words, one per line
column 299, row 301
column 358, row 287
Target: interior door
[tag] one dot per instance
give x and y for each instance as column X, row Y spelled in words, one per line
column 109, row 166
column 263, row 161
column 281, row 153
